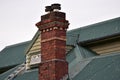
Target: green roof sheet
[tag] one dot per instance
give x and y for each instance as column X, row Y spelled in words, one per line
column 5, row 74
column 82, row 63
column 77, row 54
column 90, row 32
column 106, row 67
column 29, row 75
column 73, row 58
column 13, row 55
column 95, row 31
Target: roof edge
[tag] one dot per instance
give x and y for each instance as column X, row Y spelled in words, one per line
column 97, row 23
column 32, row 41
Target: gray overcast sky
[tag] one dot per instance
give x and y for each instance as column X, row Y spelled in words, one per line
column 18, row 17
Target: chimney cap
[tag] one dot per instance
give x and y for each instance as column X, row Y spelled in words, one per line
column 48, row 9
column 56, row 6
column 53, row 7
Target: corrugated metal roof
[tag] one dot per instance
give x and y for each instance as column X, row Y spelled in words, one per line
column 96, row 68
column 5, row 74
column 73, row 58
column 106, row 67
column 76, row 55
column 79, row 53
column 13, row 55
column 29, row 75
column 91, row 32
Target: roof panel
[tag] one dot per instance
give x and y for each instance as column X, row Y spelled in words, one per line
column 5, row 74
column 13, row 55
column 101, row 68
column 94, row 31
column 29, row 75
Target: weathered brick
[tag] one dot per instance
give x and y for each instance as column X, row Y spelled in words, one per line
column 53, row 46
column 53, row 70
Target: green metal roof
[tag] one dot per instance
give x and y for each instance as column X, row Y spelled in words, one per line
column 77, row 54
column 13, row 55
column 82, row 63
column 106, row 67
column 90, row 32
column 71, row 39
column 73, row 58
column 5, row 74
column 95, row 31
column 29, row 75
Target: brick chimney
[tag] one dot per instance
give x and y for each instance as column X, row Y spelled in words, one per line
column 53, row 26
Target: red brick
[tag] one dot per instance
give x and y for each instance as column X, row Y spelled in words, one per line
column 53, row 70
column 53, row 46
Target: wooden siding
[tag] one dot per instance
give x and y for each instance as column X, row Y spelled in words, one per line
column 36, row 47
column 109, row 46
column 35, row 50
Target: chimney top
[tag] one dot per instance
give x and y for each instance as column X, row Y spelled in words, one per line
column 53, row 7
column 56, row 7
column 48, row 9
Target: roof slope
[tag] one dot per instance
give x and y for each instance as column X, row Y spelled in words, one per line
column 13, row 55
column 105, row 67
column 73, row 58
column 90, row 32
column 82, row 63
column 29, row 75
column 5, row 74
column 95, row 31
column 76, row 59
